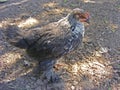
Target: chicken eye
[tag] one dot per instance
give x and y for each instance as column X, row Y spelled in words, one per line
column 72, row 28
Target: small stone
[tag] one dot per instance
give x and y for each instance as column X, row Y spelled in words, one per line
column 26, row 63
column 73, row 87
column 103, row 50
column 75, row 82
column 48, row 41
column 98, row 54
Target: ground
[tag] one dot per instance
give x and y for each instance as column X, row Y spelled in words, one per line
column 93, row 66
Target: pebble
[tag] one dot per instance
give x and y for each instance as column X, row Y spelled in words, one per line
column 73, row 87
column 26, row 63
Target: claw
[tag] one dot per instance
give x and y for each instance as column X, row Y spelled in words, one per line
column 51, row 76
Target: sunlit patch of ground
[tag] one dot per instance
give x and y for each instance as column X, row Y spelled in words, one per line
column 54, row 8
column 96, row 69
column 30, row 22
column 21, row 23
column 50, row 4
column 89, row 1
column 9, row 59
column 90, row 71
column 53, row 13
column 97, row 1
column 12, row 66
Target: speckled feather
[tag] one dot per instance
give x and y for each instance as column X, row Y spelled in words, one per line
column 53, row 40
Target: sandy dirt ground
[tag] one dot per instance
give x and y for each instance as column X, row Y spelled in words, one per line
column 93, row 66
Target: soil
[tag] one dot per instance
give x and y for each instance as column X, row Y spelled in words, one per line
column 93, row 66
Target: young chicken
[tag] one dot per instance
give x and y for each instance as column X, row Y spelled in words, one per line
column 50, row 42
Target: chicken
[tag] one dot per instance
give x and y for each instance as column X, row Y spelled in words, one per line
column 50, row 42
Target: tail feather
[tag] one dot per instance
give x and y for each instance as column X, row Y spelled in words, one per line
column 14, row 36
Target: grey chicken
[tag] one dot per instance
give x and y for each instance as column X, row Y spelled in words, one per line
column 50, row 42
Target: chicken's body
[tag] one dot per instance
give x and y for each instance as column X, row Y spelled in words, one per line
column 49, row 42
